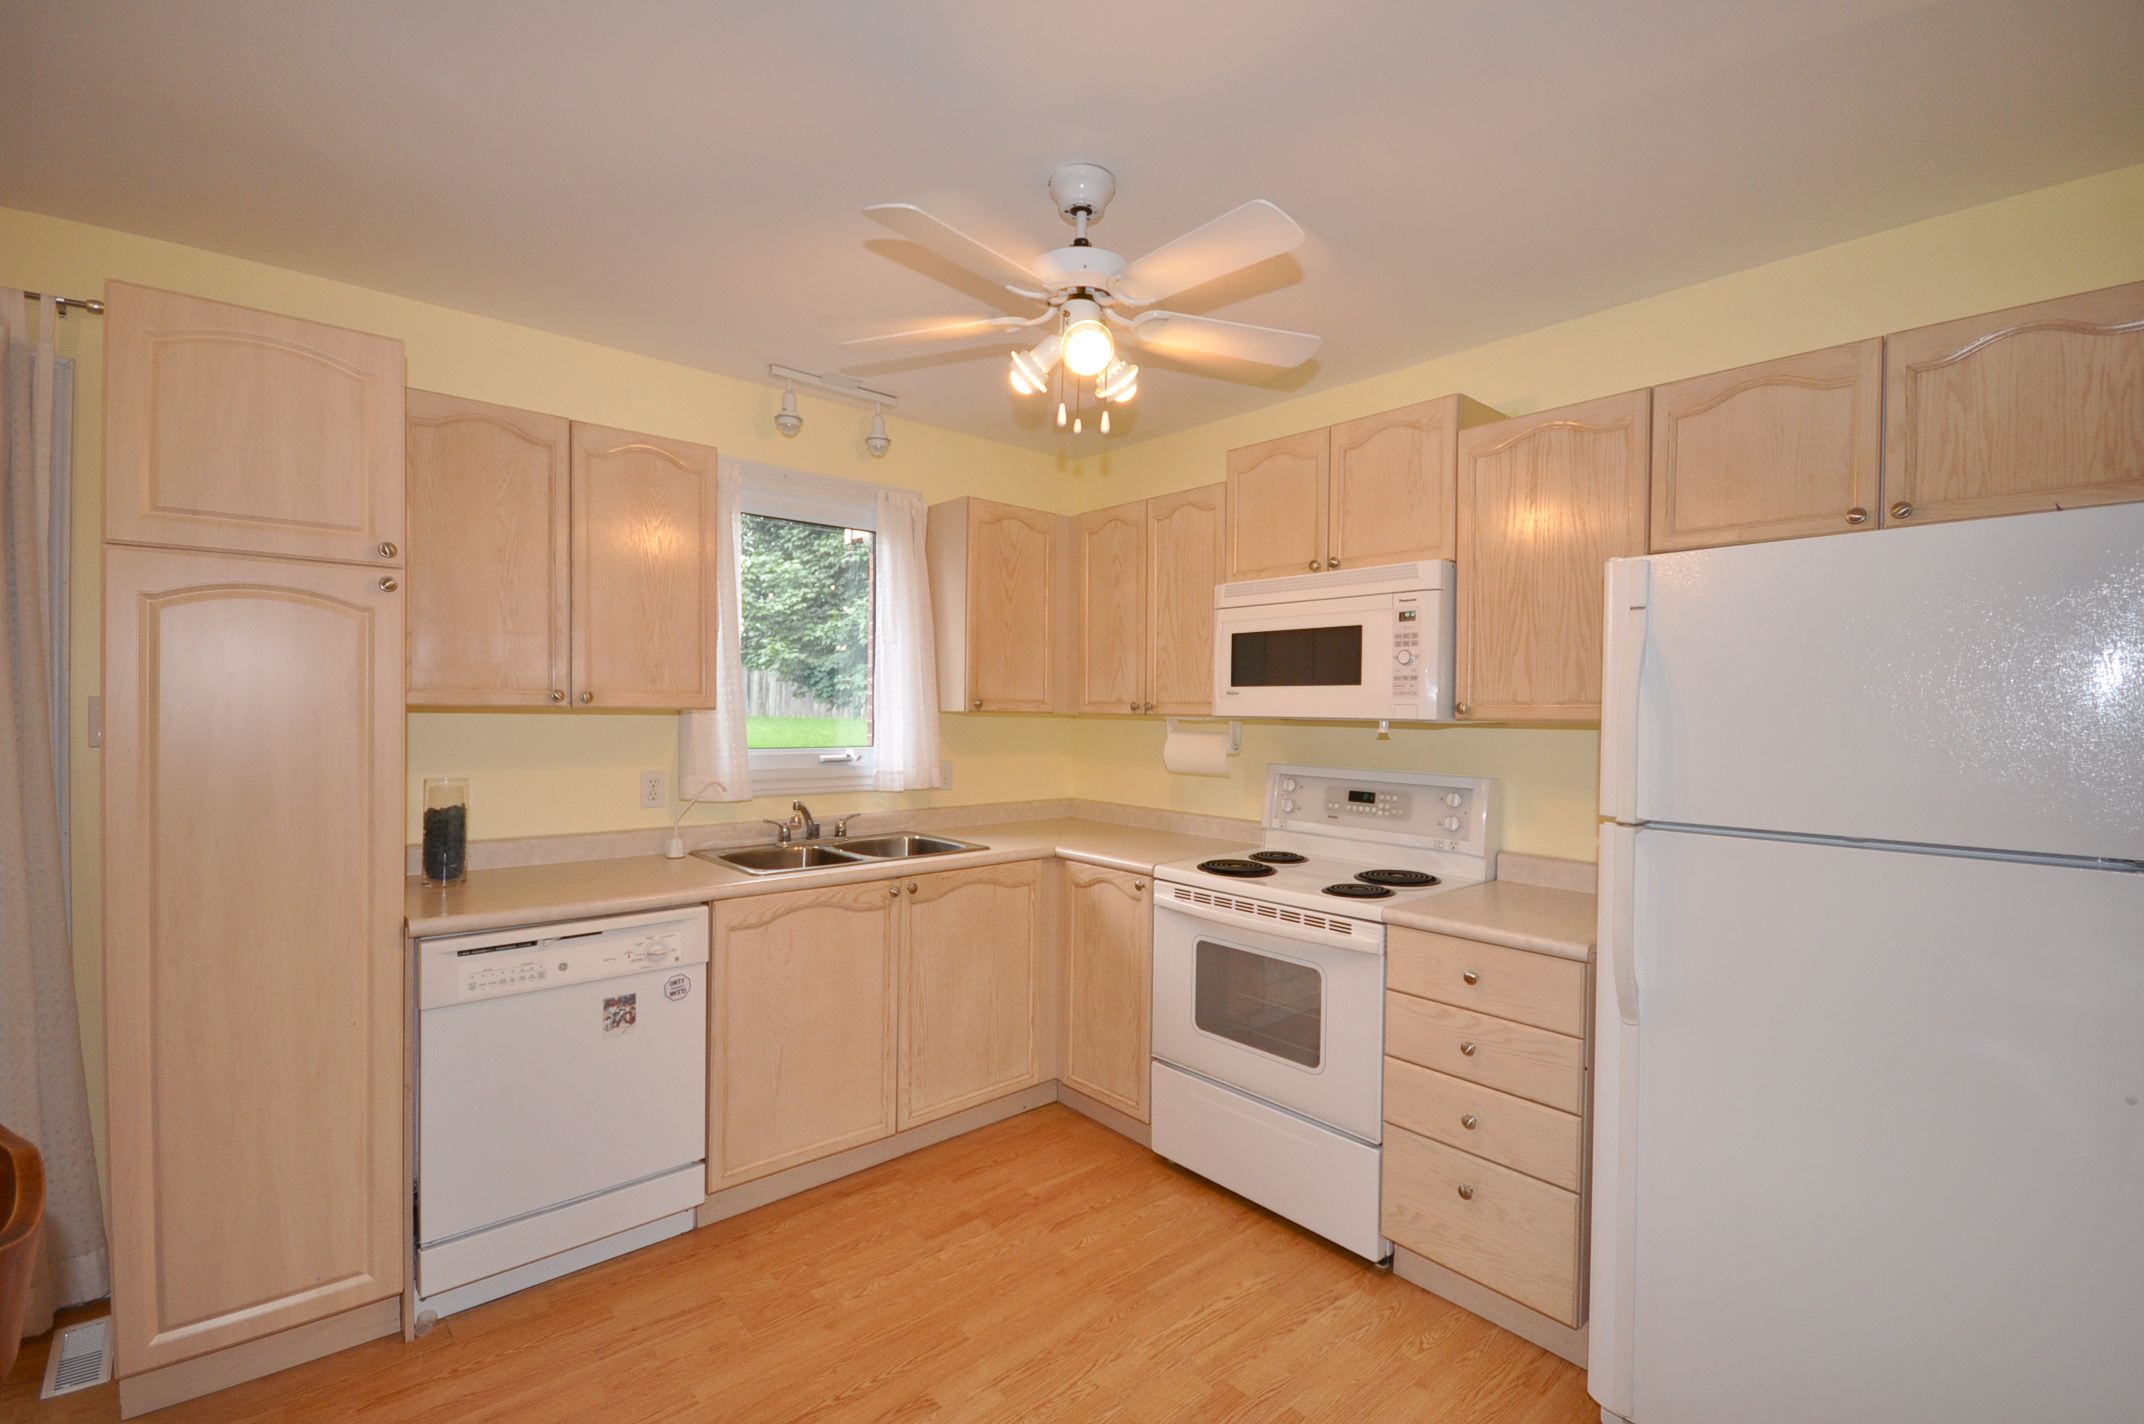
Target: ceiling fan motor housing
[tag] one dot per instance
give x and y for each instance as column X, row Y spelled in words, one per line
column 1082, row 185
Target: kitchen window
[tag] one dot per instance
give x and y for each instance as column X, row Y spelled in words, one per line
column 807, row 573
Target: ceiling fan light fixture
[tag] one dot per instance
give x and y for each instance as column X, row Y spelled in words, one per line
column 1031, row 369
column 1118, row 381
column 1088, row 347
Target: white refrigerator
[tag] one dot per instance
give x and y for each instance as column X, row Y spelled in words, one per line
column 1869, row 1063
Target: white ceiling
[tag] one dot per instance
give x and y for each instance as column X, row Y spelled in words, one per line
column 684, row 178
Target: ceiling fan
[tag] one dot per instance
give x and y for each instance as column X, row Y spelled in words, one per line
column 1092, row 297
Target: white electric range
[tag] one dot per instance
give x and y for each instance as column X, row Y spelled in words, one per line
column 1269, row 986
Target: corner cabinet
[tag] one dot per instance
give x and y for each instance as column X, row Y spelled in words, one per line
column 1779, row 450
column 1544, row 502
column 247, row 432
column 1108, row 992
column 1146, row 575
column 490, row 617
column 2037, row 407
column 1004, row 607
column 801, row 1047
column 971, row 959
column 253, row 781
column 647, row 552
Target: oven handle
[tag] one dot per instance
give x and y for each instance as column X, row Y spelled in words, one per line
column 1370, row 939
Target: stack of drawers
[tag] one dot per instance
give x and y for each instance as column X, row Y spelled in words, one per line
column 1485, row 1115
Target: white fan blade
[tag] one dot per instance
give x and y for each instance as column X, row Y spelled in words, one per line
column 1232, row 241
column 954, row 245
column 1210, row 336
column 945, row 331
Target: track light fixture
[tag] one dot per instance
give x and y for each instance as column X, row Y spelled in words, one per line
column 787, row 420
column 878, row 442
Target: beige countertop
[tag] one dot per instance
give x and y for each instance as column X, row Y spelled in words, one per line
column 532, row 894
column 1509, row 912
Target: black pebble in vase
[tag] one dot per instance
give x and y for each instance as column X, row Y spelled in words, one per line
column 446, row 843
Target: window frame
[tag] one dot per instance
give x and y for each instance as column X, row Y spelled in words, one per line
column 776, row 493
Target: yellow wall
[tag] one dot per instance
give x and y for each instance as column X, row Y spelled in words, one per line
column 2049, row 243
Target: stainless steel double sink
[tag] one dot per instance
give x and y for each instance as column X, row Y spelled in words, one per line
column 779, row 858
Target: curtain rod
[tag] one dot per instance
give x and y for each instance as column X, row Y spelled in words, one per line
column 60, row 304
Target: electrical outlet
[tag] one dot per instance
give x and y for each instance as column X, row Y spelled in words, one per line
column 651, row 790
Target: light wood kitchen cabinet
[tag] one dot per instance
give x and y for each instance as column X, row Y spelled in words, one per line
column 2037, row 407
column 1544, row 502
column 253, row 783
column 489, row 537
column 802, row 1042
column 971, row 956
column 244, row 431
column 1146, row 574
column 1005, row 606
column 1109, row 958
column 1778, row 450
column 1276, row 506
column 647, row 554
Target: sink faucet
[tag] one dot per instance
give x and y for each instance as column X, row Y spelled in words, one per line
column 804, row 821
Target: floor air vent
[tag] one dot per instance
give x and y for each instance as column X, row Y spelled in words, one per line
column 81, row 1357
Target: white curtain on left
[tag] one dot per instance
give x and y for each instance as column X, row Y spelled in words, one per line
column 713, row 763
column 906, row 670
column 42, row 1093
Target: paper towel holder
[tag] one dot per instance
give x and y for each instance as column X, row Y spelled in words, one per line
column 1235, row 734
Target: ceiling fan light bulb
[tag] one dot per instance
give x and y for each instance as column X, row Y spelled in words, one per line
column 1088, row 348
column 1029, row 375
column 1124, row 396
column 1121, row 376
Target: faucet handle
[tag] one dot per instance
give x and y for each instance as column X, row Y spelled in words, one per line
column 781, row 830
column 841, row 827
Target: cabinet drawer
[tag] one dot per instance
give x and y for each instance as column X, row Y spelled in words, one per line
column 1537, row 989
column 1514, row 1057
column 1517, row 1236
column 1539, row 1141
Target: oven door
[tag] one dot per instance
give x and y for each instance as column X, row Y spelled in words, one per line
column 1295, row 1022
column 1323, row 658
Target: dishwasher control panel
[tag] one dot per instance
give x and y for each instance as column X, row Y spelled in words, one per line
column 461, row 969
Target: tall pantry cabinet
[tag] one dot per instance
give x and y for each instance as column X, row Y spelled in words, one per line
column 253, row 828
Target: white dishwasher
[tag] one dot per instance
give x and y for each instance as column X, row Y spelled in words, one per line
column 561, row 1099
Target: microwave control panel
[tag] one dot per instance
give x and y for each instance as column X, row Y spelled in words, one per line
column 1410, row 616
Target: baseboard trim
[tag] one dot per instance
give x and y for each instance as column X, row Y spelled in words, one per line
column 1115, row 1119
column 1529, row 1325
column 190, row 1379
column 749, row 1196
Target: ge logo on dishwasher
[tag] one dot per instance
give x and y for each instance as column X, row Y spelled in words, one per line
column 677, row 986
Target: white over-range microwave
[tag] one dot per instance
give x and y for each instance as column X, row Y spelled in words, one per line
column 1369, row 644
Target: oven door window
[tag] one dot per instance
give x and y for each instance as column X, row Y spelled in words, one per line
column 1296, row 657
column 1275, row 1006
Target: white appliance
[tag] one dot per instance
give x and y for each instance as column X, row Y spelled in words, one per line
column 1869, row 1067
column 1369, row 644
column 562, row 1098
column 1269, row 986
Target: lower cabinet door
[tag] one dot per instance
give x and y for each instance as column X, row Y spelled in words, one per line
column 1109, row 956
column 254, row 959
column 970, row 982
column 801, row 1048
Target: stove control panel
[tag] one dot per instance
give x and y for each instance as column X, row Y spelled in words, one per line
column 1453, row 815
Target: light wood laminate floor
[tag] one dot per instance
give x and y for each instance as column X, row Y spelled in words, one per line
column 1040, row 1269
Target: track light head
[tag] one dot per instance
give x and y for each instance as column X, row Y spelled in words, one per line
column 878, row 442
column 787, row 420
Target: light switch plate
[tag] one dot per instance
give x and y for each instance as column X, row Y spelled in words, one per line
column 651, row 790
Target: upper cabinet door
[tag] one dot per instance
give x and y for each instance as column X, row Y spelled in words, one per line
column 1012, row 589
column 2037, row 407
column 1113, row 597
column 1185, row 546
column 1277, row 506
column 1391, row 499
column 1778, row 450
column 239, row 430
column 489, row 605
column 1544, row 502
column 647, row 550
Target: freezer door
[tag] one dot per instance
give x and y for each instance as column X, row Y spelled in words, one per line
column 1889, row 1130
column 1975, row 684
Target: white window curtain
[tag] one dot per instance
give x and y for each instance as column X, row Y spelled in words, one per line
column 905, row 678
column 42, row 1092
column 713, row 763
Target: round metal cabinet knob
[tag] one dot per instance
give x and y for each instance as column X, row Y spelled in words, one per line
column 978, row 704
column 1470, row 1122
column 388, row 551
column 1470, row 977
column 894, row 891
column 1857, row 515
column 1316, row 564
column 1135, row 707
column 558, row 695
column 588, row 697
column 911, row 887
column 1467, row 1049
column 1148, row 708
column 1460, row 709
column 388, row 585
column 1466, row 1193
column 1902, row 510
column 1332, row 563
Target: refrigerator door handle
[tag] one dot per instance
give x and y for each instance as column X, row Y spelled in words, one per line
column 1627, row 621
column 1618, row 887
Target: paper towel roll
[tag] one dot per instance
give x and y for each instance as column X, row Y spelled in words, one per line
column 1196, row 751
